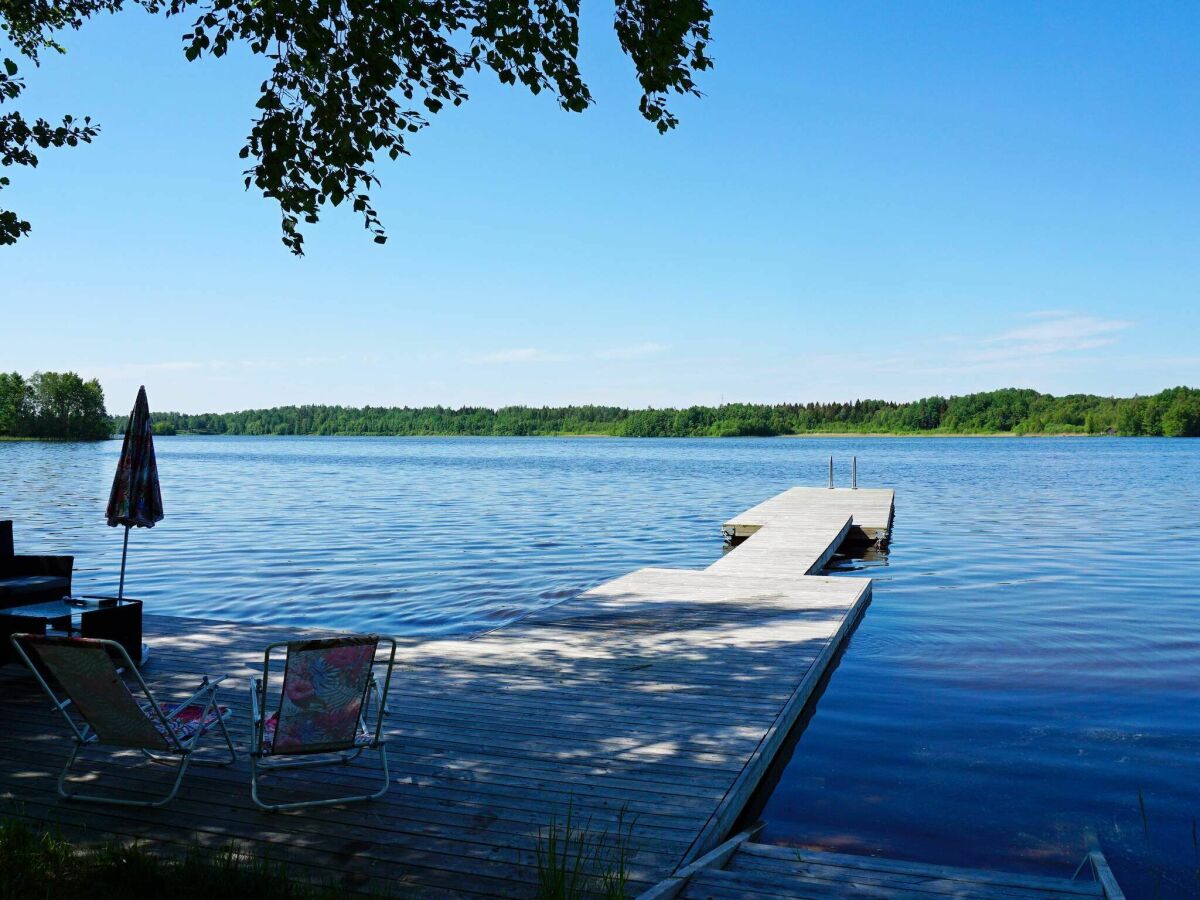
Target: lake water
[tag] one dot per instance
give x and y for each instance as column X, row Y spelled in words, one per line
column 1029, row 666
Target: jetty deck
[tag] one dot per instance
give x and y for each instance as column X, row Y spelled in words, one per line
column 654, row 702
column 797, row 532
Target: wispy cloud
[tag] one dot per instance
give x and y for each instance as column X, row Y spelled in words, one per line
column 633, row 351
column 182, row 365
column 519, row 355
column 1052, row 334
column 202, row 366
column 1050, row 314
column 1054, row 342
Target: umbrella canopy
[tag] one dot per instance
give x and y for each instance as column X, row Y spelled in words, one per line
column 135, row 500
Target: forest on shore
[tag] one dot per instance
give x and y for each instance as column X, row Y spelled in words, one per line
column 53, row 406
column 1174, row 413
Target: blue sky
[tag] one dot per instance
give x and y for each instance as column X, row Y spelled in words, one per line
column 872, row 200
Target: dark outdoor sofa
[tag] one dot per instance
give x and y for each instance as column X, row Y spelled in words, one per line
column 30, row 579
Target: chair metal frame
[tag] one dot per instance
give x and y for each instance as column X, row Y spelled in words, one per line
column 264, row 763
column 180, row 752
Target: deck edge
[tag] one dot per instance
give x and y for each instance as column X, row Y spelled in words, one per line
column 740, row 792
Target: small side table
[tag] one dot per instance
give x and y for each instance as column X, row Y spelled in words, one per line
column 110, row 618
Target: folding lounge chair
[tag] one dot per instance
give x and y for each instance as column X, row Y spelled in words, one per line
column 322, row 711
column 86, row 670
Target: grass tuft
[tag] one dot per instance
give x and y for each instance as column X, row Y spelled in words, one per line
column 574, row 861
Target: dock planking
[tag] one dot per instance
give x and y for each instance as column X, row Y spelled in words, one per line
column 656, row 700
column 803, row 527
column 753, row 871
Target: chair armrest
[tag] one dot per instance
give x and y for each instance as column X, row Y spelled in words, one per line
column 207, row 686
column 257, row 704
column 377, row 693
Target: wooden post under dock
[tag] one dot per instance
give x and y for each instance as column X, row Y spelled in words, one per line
column 657, row 699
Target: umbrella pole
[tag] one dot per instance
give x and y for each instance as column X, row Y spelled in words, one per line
column 124, row 551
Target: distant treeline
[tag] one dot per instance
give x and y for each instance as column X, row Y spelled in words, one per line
column 1174, row 412
column 54, row 405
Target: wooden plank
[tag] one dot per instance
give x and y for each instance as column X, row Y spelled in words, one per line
column 904, row 867
column 777, row 550
column 933, row 883
column 716, row 858
column 1104, row 875
column 758, row 870
column 871, row 508
column 725, row 885
column 417, row 800
column 618, row 785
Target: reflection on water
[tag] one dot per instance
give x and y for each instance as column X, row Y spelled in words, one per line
column 1029, row 663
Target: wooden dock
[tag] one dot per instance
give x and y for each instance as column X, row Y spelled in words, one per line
column 799, row 530
column 657, row 699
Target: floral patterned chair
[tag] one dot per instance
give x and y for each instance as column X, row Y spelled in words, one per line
column 86, row 669
column 321, row 715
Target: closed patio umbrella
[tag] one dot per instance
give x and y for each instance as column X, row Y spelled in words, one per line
column 135, row 500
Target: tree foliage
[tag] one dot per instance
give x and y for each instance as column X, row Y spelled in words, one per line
column 20, row 138
column 350, row 80
column 53, row 405
column 1176, row 412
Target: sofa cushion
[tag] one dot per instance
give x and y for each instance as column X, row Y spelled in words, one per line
column 29, row 588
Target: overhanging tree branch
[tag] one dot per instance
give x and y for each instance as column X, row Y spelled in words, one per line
column 352, row 79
